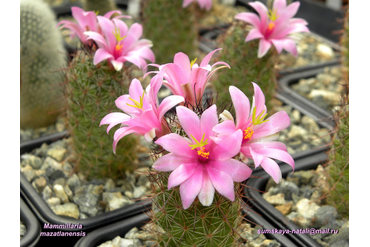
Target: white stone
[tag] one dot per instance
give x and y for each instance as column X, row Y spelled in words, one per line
column 306, row 208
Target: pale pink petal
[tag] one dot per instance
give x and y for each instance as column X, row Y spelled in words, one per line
column 207, row 58
column 185, row 3
column 225, row 128
column 259, row 100
column 228, row 147
column 254, row 34
column 170, row 162
column 279, row 4
column 249, row 18
column 107, row 27
column 121, row 103
column 288, row 12
column 257, row 158
column 263, row 47
column 276, row 154
column 124, row 131
column 279, row 44
column 207, row 190
column 132, row 36
column 189, row 121
column 121, row 26
column 208, row 120
column 98, row 38
column 180, row 174
column 101, row 55
column 116, row 64
column 275, row 123
column 222, row 183
column 268, row 144
column 241, row 105
column 177, row 145
column 136, row 89
column 168, row 103
column 113, row 119
column 272, row 168
column 182, row 60
column 262, row 11
column 190, row 188
column 238, row 171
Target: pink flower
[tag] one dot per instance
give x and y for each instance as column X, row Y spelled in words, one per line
column 186, row 78
column 274, row 26
column 258, row 134
column 119, row 44
column 198, row 164
column 86, row 21
column 144, row 116
column 204, row 4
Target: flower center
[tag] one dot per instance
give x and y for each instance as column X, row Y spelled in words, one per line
column 271, row 26
column 273, row 14
column 119, row 48
column 248, row 133
column 137, row 104
column 202, row 151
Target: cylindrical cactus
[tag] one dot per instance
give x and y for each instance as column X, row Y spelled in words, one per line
column 42, row 56
column 90, row 90
column 198, row 225
column 177, row 35
column 245, row 65
column 338, row 169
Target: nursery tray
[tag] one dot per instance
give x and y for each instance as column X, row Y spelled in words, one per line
column 272, row 215
column 46, row 215
column 32, row 224
column 286, row 82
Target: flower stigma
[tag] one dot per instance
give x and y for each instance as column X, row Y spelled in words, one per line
column 117, row 34
column 193, row 62
column 259, row 119
column 137, row 104
column 200, row 145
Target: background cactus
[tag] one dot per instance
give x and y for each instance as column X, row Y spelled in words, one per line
column 42, row 56
column 169, row 37
column 245, row 65
column 338, row 166
column 99, row 5
column 90, row 92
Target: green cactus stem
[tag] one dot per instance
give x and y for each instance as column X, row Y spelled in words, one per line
column 90, row 92
column 180, row 34
column 42, row 56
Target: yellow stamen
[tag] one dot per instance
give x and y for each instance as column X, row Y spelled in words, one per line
column 137, row 104
column 203, row 154
column 199, row 144
column 248, row 133
column 259, row 119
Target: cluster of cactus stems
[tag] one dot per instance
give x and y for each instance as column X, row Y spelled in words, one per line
column 246, row 66
column 338, row 169
column 169, row 37
column 199, row 225
column 90, row 90
column 42, row 57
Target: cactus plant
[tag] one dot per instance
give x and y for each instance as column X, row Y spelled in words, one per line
column 178, row 35
column 42, row 56
column 245, row 65
column 90, row 90
column 102, row 7
column 338, row 165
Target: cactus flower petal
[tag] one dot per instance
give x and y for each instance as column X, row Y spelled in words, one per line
column 203, row 4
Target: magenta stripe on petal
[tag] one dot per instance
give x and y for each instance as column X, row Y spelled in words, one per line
column 222, row 183
column 170, row 162
column 272, row 168
column 181, row 173
column 238, row 171
column 177, row 145
column 190, row 188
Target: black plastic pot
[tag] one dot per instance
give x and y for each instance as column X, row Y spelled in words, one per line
column 286, row 83
column 32, row 235
column 307, row 161
column 46, row 215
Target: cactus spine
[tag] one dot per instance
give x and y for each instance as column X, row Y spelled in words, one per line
column 42, row 56
column 90, row 91
column 245, row 65
column 338, row 169
column 169, row 37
